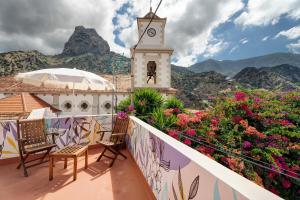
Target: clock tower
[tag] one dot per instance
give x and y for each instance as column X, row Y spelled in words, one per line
column 151, row 59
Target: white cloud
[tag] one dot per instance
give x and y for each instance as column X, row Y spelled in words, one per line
column 244, row 41
column 191, row 21
column 233, row 49
column 265, row 12
column 46, row 25
column 214, row 48
column 294, row 47
column 265, row 38
column 291, row 34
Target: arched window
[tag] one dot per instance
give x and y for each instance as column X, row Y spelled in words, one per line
column 151, row 72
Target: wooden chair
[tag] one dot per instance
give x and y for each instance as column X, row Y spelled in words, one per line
column 116, row 140
column 31, row 140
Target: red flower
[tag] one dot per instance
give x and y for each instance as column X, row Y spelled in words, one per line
column 174, row 134
column 240, row 96
column 215, row 122
column 236, row 119
column 187, row 142
column 286, row 183
column 191, row 132
column 183, row 119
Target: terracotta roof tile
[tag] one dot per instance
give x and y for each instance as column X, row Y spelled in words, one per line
column 22, row 103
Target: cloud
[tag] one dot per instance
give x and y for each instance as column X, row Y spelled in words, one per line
column 191, row 21
column 233, row 49
column 244, row 41
column 46, row 25
column 266, row 12
column 290, row 34
column 294, row 47
column 265, row 38
column 215, row 47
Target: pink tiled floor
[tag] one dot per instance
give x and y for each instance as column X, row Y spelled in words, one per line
column 121, row 182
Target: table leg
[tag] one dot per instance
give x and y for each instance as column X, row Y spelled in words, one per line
column 75, row 168
column 86, row 159
column 51, row 168
column 66, row 163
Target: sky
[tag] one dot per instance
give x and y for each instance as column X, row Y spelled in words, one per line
column 196, row 29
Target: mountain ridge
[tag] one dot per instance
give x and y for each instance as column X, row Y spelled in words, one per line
column 232, row 67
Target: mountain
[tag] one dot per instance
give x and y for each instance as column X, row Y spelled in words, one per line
column 194, row 89
column 84, row 50
column 232, row 67
column 283, row 77
column 85, row 40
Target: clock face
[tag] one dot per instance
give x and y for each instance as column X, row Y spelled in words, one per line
column 151, row 32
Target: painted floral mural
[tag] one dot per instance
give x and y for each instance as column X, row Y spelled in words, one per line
column 77, row 130
column 169, row 173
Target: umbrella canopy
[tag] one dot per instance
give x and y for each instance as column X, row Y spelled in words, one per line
column 65, row 78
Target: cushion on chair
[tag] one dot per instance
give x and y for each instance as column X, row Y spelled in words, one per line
column 40, row 147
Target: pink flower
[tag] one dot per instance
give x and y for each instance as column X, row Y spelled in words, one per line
column 191, row 132
column 187, row 142
column 168, row 112
column 174, row 134
column 183, row 119
column 247, row 144
column 257, row 100
column 240, row 96
column 122, row 115
column 215, row 122
column 141, row 103
column 286, row 183
column 131, row 108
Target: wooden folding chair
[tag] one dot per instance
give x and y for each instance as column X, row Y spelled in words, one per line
column 31, row 140
column 116, row 140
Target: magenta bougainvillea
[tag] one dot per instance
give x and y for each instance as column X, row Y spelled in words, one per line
column 258, row 125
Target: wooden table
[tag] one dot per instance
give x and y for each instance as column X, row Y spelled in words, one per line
column 68, row 152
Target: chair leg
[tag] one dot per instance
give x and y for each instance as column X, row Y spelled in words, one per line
column 44, row 156
column 22, row 163
column 51, row 163
column 121, row 154
column 75, row 169
column 101, row 154
column 86, row 159
column 26, row 156
column 112, row 162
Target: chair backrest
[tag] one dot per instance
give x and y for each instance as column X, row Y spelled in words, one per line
column 33, row 131
column 121, row 125
column 120, row 129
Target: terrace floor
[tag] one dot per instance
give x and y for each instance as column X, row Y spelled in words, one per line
column 121, row 182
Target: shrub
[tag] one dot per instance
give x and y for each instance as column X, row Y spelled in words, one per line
column 145, row 101
column 174, row 103
column 161, row 120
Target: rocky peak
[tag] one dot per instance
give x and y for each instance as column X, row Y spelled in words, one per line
column 85, row 40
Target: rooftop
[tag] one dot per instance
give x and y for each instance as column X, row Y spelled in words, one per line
column 122, row 181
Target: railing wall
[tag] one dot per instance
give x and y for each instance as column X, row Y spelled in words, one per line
column 72, row 130
column 176, row 171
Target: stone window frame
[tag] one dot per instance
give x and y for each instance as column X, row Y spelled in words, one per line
column 65, row 107
column 84, row 109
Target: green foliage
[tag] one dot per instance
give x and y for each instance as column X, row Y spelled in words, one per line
column 146, row 101
column 173, row 102
column 161, row 121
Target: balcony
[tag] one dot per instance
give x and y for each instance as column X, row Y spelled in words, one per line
column 158, row 166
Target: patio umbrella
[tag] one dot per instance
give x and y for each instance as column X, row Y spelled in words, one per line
column 65, row 78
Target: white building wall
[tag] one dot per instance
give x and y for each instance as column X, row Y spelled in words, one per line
column 76, row 102
column 46, row 97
